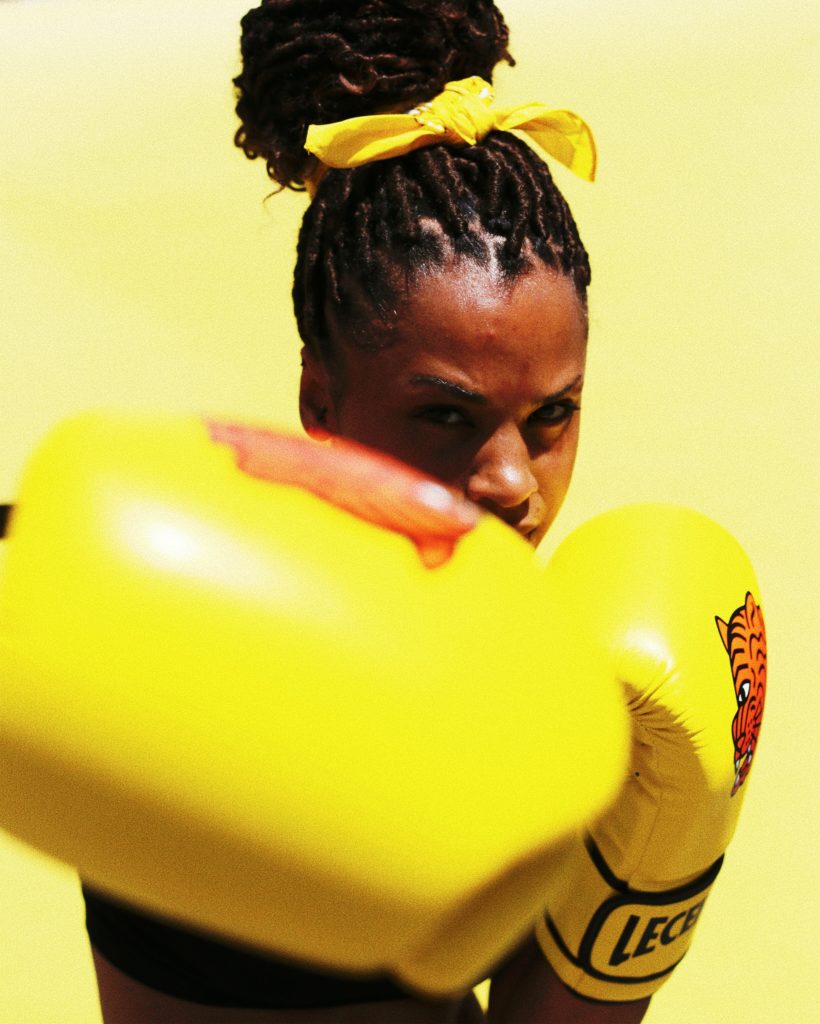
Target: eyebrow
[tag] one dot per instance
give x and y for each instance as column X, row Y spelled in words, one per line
column 459, row 391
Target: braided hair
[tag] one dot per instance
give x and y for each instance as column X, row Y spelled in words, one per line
column 316, row 61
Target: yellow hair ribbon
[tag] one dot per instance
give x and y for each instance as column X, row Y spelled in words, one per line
column 463, row 114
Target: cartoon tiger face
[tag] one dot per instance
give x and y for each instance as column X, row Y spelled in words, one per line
column 744, row 637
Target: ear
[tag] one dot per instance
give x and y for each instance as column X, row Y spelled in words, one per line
column 317, row 408
column 723, row 629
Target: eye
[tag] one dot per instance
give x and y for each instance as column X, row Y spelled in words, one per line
column 444, row 415
column 743, row 693
column 554, row 412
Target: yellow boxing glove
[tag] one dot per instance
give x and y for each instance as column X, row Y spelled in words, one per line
column 235, row 703
column 675, row 601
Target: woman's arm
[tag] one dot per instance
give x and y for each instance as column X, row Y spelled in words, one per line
column 525, row 988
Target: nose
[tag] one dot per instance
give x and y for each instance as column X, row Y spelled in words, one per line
column 501, row 475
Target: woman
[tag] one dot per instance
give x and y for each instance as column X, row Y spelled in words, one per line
column 441, row 298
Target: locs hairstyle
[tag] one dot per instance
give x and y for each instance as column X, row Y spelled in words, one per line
column 316, row 61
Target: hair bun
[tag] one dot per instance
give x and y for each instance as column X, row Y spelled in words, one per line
column 316, row 61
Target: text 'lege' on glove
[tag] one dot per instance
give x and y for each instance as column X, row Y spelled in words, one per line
column 675, row 600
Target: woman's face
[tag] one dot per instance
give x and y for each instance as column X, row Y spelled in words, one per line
column 476, row 382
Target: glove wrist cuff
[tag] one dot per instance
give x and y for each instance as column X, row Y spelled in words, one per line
column 619, row 944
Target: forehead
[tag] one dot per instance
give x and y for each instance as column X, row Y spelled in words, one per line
column 465, row 323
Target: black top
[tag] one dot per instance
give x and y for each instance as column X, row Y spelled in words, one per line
column 201, row 969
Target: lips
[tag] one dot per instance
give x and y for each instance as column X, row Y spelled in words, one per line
column 525, row 524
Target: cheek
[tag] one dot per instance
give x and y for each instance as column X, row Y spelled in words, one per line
column 554, row 469
column 366, row 415
column 370, row 422
column 360, row 417
column 428, row 453
column 570, row 448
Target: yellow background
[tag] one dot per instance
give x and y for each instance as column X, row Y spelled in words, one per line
column 140, row 267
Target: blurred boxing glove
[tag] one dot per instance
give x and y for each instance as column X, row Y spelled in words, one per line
column 258, row 712
column 675, row 600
